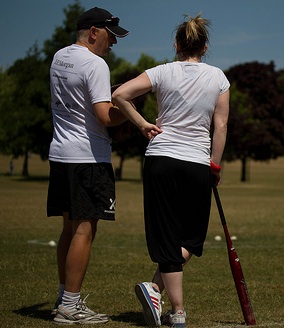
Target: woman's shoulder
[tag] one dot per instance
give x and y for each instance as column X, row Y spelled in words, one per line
column 211, row 67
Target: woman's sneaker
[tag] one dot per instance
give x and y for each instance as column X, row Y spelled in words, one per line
column 80, row 315
column 176, row 320
column 151, row 302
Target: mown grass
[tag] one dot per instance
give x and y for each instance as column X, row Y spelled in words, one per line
column 254, row 212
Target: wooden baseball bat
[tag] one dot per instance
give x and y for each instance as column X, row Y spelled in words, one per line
column 236, row 268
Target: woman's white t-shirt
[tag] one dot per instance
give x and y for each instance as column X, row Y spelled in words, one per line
column 78, row 79
column 187, row 94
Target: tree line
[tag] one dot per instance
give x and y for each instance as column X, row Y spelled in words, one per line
column 255, row 127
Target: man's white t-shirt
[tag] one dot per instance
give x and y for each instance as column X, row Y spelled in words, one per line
column 78, row 79
column 187, row 94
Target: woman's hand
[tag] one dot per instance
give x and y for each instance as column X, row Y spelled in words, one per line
column 150, row 130
column 215, row 171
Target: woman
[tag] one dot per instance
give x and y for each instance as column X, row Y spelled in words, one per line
column 179, row 162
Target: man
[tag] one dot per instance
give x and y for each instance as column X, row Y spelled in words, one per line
column 81, row 183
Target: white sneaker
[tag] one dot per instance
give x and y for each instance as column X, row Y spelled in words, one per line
column 151, row 302
column 80, row 315
column 57, row 303
column 176, row 320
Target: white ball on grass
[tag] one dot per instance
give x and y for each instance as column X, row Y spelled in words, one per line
column 234, row 238
column 52, row 243
column 218, row 238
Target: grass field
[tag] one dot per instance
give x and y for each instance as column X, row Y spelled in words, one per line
column 254, row 212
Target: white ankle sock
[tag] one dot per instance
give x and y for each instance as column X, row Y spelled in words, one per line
column 69, row 300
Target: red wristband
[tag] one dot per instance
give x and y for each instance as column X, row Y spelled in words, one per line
column 215, row 168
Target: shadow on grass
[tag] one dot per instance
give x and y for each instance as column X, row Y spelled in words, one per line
column 230, row 323
column 33, row 179
column 20, row 178
column 134, row 318
column 43, row 178
column 35, row 311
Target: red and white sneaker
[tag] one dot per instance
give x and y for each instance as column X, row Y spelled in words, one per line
column 151, row 302
column 176, row 319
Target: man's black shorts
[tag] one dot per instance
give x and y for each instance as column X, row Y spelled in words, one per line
column 86, row 191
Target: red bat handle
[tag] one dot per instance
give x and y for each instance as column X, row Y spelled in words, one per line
column 239, row 280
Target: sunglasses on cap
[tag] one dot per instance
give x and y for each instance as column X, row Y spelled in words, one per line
column 113, row 21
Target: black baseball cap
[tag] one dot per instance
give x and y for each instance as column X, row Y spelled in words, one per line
column 99, row 17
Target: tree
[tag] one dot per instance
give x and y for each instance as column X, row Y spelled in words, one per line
column 7, row 89
column 256, row 122
column 65, row 34
column 28, row 108
column 145, row 62
column 26, row 105
column 240, row 128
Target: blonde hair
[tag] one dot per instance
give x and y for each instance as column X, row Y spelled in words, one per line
column 192, row 36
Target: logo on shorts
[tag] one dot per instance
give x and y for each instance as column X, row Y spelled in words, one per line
column 112, row 206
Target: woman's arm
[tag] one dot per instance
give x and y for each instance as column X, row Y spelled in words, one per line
column 122, row 98
column 220, row 120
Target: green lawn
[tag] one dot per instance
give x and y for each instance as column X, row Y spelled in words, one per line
column 255, row 214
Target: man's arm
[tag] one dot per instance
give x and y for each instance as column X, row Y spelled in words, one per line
column 108, row 114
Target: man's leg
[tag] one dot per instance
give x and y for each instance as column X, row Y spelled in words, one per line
column 77, row 258
column 76, row 237
column 73, row 261
column 63, row 246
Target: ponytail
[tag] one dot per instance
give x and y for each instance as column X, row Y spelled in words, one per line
column 192, row 36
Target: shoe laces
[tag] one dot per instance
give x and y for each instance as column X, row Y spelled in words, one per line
column 161, row 303
column 81, row 305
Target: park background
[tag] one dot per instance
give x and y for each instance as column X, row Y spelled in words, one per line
column 254, row 212
column 247, row 44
